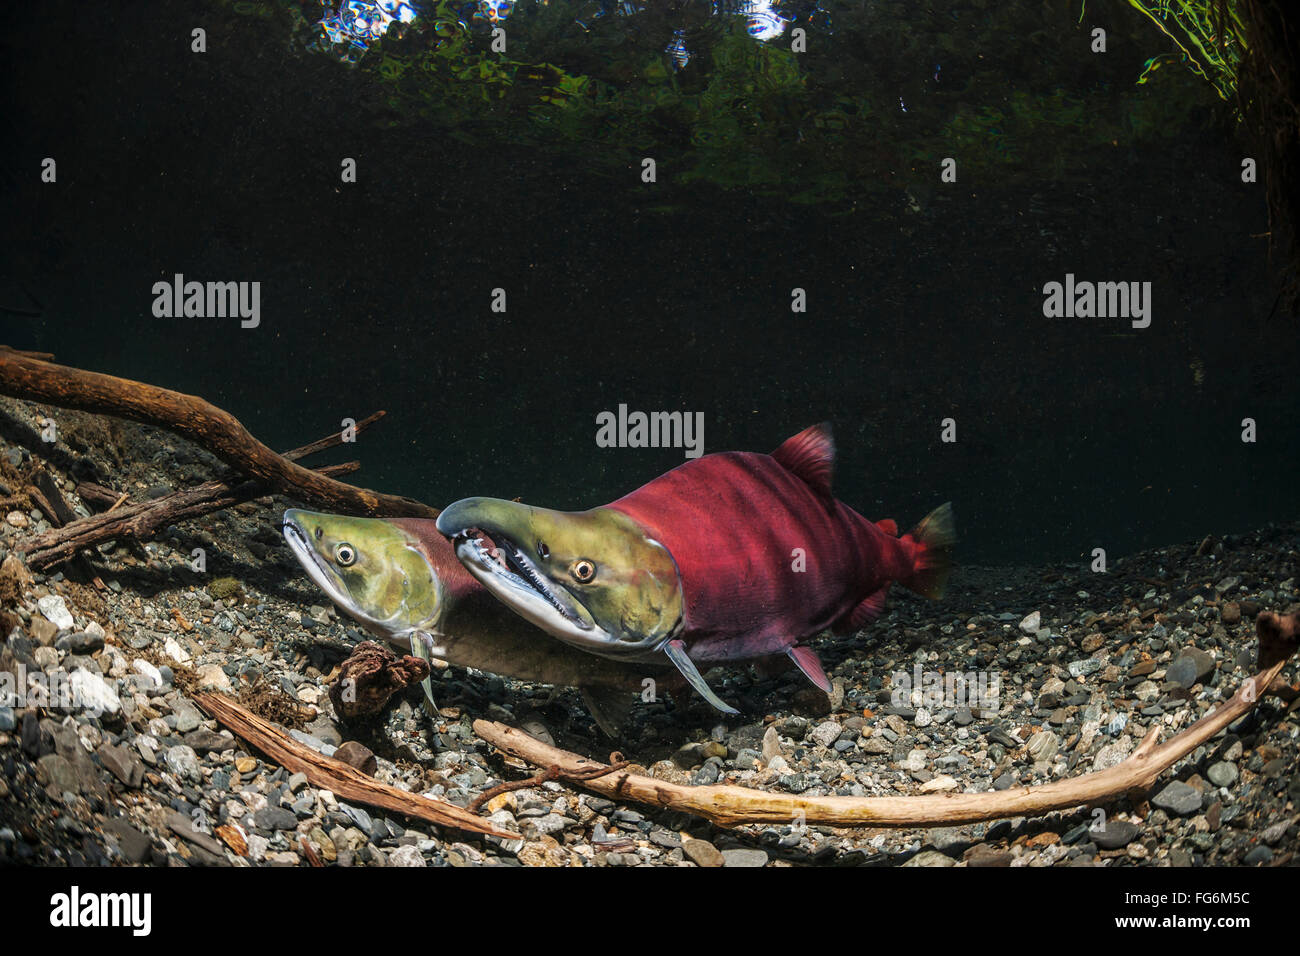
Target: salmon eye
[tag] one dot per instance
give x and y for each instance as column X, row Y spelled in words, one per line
column 582, row 570
column 344, row 554
column 543, row 551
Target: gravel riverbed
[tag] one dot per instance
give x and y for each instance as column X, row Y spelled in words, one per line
column 1085, row 665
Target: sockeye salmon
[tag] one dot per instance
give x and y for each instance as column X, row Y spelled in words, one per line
column 399, row 579
column 727, row 557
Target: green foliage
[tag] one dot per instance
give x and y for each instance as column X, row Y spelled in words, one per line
column 1210, row 38
column 858, row 118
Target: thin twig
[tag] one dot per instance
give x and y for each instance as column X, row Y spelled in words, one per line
column 312, row 858
column 553, row 772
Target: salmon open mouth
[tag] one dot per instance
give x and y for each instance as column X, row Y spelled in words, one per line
column 501, row 563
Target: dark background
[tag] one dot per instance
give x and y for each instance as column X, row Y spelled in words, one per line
column 1073, row 433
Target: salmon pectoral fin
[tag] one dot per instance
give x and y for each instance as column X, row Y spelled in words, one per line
column 872, row 606
column 610, row 707
column 422, row 645
column 934, row 539
column 806, row 659
column 676, row 651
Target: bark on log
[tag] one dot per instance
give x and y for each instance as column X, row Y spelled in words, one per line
column 141, row 520
column 32, row 379
column 729, row 806
column 336, row 776
column 56, row 510
column 102, row 498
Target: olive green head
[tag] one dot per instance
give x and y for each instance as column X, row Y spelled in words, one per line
column 373, row 570
column 595, row 578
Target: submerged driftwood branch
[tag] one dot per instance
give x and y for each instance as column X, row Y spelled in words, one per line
column 142, row 520
column 730, row 806
column 336, row 776
column 137, row 520
column 25, row 376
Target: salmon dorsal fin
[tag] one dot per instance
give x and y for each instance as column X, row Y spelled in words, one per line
column 810, row 455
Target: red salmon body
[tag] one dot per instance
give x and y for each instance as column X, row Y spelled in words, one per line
column 767, row 557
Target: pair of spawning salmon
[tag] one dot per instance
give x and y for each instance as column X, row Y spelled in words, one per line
column 728, row 557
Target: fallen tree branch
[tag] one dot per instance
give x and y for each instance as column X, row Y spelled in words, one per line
column 332, row 440
column 336, row 776
column 142, row 520
column 32, row 379
column 109, row 499
column 553, row 772
column 45, row 494
column 56, row 509
column 139, row 520
column 729, row 806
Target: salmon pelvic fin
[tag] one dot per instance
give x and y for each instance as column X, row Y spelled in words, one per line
column 934, row 539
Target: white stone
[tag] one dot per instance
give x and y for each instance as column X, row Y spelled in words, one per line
column 1112, row 754
column 1147, row 690
column 56, row 611
column 175, row 651
column 90, row 692
column 825, row 733
column 406, row 856
column 257, row 846
column 771, row 744
column 182, row 761
column 148, row 670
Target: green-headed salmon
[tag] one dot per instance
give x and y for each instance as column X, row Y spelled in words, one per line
column 399, row 579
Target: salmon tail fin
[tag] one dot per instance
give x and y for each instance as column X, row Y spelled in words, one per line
column 934, row 539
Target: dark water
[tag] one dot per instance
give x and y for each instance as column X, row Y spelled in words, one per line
column 924, row 299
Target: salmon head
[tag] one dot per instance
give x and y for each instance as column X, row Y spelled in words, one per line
column 595, row 578
column 373, row 570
